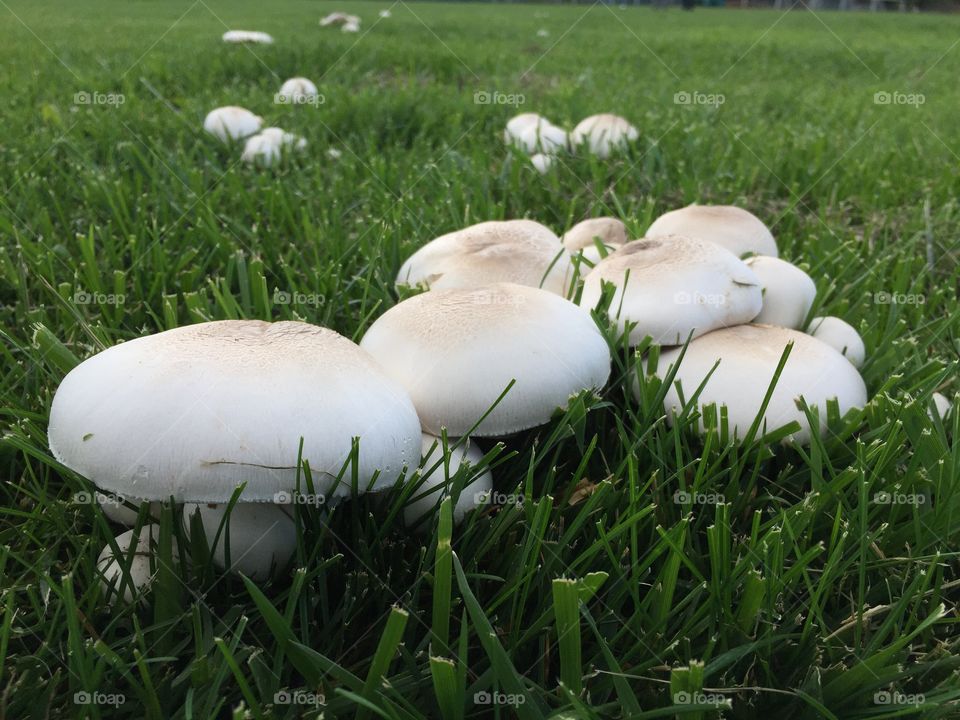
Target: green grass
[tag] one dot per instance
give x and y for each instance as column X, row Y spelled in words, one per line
column 599, row 595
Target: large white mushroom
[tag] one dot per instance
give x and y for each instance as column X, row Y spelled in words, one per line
column 582, row 238
column 231, row 123
column 518, row 251
column 534, row 133
column 748, row 357
column 247, row 36
column 788, row 292
column 134, row 569
column 267, row 146
column 736, row 229
column 672, row 286
column 603, row 134
column 430, row 490
column 841, row 336
column 297, row 90
column 457, row 351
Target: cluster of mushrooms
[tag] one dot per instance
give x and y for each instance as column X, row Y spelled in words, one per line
column 601, row 135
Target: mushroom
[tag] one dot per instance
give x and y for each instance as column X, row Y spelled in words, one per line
column 457, row 351
column 518, row 251
column 339, row 18
column 603, row 134
column 672, row 286
column 297, row 90
column 385, row 13
column 533, row 133
column 195, row 412
column 262, row 536
column 351, row 27
column 542, row 163
column 942, row 405
column 748, row 357
column 141, row 562
column 840, row 336
column 788, row 292
column 231, row 123
column 266, row 147
column 247, row 36
column 582, row 238
column 734, row 228
column 427, row 496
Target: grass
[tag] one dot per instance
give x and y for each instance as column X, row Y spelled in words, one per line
column 640, row 571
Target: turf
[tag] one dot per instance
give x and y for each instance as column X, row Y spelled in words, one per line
column 634, row 569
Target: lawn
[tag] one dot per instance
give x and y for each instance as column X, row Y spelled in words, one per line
column 630, row 569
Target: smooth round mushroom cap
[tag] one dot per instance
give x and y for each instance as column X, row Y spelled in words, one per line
column 603, row 134
column 428, row 495
column 749, row 356
column 266, row 147
column 675, row 286
column 297, row 88
column 734, row 228
column 142, row 568
column 788, row 292
column 192, row 413
column 841, row 336
column 247, row 36
column 517, row 251
column 456, row 352
column 942, row 405
column 231, row 123
column 118, row 511
column 262, row 536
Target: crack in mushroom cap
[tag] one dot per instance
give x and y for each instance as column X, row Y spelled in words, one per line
column 231, row 122
column 739, row 231
column 516, row 251
column 456, row 351
column 193, row 412
column 788, row 292
column 749, row 355
column 603, row 133
column 676, row 286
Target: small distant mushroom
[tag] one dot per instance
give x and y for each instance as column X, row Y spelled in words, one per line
column 672, row 286
column 457, row 351
column 140, row 560
column 247, row 36
column 603, row 134
column 748, row 357
column 942, row 405
column 268, row 145
column 339, row 18
column 351, row 27
column 385, row 13
column 297, row 90
column 841, row 336
column 736, row 229
column 533, row 133
column 231, row 123
column 788, row 292
column 542, row 163
column 582, row 237
column 518, row 251
column 428, row 493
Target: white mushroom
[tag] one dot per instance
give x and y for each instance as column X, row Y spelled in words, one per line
column 542, row 163
column 427, row 496
column 339, row 18
column 262, row 536
column 385, row 13
column 942, row 405
column 840, row 336
column 231, row 123
column 582, row 237
column 247, row 36
column 737, row 230
column 141, row 561
column 351, row 27
column 297, row 90
column 788, row 292
column 604, row 134
column 266, row 147
column 518, row 251
column 748, row 357
column 672, row 286
column 533, row 133
column 457, row 351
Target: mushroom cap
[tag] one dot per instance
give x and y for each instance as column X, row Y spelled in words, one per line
column 542, row 137
column 456, row 351
column 247, row 36
column 610, row 231
column 739, row 231
column 263, row 536
column 841, row 336
column 351, row 27
column 193, row 412
column 676, row 286
column 749, row 355
column 518, row 123
column 542, row 163
column 142, row 564
column 788, row 292
column 428, row 494
column 231, row 122
column 603, row 134
column 297, row 88
column 942, row 405
column 339, row 18
column 266, row 147
column 518, row 251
